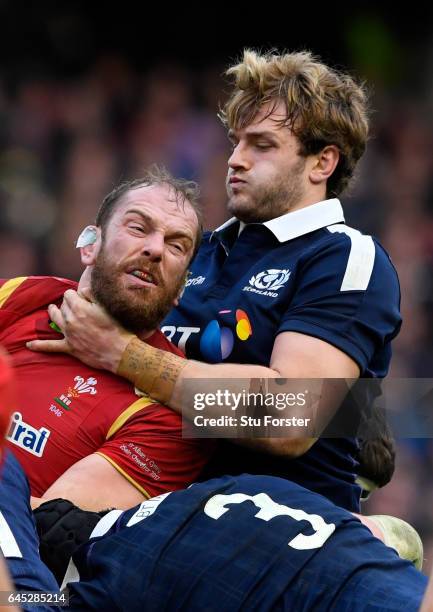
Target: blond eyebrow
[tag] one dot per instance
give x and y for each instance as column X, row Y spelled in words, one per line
column 182, row 236
column 136, row 211
column 261, row 134
column 176, row 234
column 231, row 134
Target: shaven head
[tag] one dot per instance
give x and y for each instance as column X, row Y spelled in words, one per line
column 137, row 255
column 182, row 191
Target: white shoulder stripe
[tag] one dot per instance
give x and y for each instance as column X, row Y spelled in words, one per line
column 8, row 543
column 361, row 258
column 72, row 574
column 106, row 522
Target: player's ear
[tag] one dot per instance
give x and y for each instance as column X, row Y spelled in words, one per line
column 324, row 165
column 89, row 243
column 182, row 288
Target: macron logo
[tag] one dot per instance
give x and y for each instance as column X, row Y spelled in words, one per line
column 27, row 437
column 198, row 280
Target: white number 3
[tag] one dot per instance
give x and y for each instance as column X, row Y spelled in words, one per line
column 268, row 509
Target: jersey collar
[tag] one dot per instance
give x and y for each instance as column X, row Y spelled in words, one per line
column 299, row 222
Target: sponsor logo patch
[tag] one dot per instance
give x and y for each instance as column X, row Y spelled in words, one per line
column 197, row 280
column 27, row 437
column 218, row 340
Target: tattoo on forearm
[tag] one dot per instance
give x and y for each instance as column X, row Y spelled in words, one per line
column 150, row 369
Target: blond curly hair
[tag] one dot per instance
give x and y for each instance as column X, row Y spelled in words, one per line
column 323, row 106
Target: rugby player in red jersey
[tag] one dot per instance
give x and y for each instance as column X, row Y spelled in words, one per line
column 84, row 434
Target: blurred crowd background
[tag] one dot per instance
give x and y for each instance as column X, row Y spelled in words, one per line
column 87, row 101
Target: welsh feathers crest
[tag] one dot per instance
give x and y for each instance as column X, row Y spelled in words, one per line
column 83, row 386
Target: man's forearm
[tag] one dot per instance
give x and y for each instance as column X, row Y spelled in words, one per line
column 167, row 378
column 35, row 502
column 162, row 375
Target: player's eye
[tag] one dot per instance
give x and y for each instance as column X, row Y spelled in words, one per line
column 233, row 142
column 138, row 228
column 177, row 246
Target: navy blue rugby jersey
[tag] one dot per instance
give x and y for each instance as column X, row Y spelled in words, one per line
column 240, row 543
column 305, row 272
column 19, row 542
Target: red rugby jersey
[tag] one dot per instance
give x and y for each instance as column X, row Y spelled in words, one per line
column 6, row 395
column 66, row 410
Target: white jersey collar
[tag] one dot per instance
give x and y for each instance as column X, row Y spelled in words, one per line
column 299, row 222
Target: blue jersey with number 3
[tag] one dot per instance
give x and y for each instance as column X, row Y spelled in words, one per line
column 241, row 543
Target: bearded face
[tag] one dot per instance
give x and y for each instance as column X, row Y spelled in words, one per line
column 137, row 306
column 139, row 266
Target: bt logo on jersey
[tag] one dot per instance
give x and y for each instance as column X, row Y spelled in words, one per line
column 186, row 332
column 217, row 341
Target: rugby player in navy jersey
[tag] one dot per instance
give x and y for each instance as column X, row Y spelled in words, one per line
column 231, row 543
column 246, row 542
column 284, row 285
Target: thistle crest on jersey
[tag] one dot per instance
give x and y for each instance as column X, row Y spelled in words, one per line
column 270, row 279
